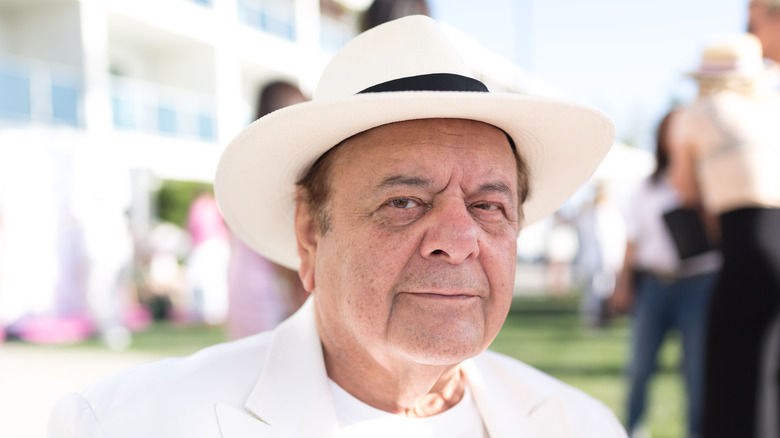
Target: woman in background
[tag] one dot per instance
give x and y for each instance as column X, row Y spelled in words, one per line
column 666, row 291
column 726, row 156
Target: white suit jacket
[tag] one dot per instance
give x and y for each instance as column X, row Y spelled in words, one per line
column 274, row 385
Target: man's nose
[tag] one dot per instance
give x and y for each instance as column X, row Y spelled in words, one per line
column 451, row 234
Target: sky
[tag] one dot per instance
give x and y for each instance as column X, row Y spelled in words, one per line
column 625, row 57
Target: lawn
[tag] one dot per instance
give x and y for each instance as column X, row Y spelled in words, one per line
column 547, row 333
column 544, row 332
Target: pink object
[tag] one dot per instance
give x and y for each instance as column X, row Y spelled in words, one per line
column 137, row 319
column 52, row 331
column 205, row 221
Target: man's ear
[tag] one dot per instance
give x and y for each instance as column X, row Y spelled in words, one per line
column 306, row 236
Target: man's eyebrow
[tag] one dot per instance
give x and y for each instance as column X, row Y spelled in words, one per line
column 499, row 187
column 402, row 180
column 413, row 181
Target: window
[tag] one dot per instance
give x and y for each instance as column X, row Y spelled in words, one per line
column 14, row 94
column 166, row 120
column 276, row 17
column 64, row 104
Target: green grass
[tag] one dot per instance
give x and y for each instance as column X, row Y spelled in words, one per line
column 175, row 340
column 543, row 332
column 164, row 339
column 547, row 334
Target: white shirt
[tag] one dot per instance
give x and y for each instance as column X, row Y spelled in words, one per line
column 735, row 142
column 358, row 420
column 655, row 250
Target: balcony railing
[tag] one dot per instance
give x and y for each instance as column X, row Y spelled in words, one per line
column 35, row 92
column 275, row 17
column 334, row 34
column 143, row 107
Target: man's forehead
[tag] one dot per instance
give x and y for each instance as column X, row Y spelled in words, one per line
column 421, row 148
column 420, row 152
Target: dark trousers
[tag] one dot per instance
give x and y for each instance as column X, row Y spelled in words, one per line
column 660, row 307
column 741, row 398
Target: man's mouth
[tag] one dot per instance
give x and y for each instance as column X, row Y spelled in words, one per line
column 445, row 294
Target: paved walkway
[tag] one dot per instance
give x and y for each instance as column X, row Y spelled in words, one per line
column 32, row 378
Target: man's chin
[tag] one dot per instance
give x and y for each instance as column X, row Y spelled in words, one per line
column 450, row 348
column 443, row 359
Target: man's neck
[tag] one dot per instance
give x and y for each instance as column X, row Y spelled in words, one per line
column 415, row 390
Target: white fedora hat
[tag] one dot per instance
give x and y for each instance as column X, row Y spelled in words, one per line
column 401, row 70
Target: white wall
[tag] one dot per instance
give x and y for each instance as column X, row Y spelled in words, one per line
column 190, row 67
column 49, row 31
column 145, row 52
column 4, row 32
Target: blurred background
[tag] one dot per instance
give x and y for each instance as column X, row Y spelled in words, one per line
column 113, row 115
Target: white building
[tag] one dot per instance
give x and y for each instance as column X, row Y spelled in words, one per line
column 99, row 99
column 163, row 85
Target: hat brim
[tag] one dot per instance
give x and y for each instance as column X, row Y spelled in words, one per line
column 767, row 69
column 727, row 75
column 562, row 144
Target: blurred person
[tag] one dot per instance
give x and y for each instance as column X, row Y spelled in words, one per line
column 764, row 23
column 102, row 195
column 207, row 262
column 664, row 290
column 277, row 95
column 401, row 211
column 602, row 232
column 42, row 296
column 382, row 11
column 561, row 248
column 261, row 293
column 163, row 287
column 726, row 155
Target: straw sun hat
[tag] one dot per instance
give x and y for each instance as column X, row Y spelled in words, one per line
column 737, row 56
column 401, row 70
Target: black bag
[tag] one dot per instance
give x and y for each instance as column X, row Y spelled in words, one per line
column 688, row 232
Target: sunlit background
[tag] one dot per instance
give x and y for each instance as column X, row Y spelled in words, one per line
column 113, row 115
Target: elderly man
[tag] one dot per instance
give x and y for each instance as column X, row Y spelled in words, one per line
column 398, row 193
column 765, row 24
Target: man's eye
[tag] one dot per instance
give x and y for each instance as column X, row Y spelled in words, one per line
column 403, row 203
column 486, row 206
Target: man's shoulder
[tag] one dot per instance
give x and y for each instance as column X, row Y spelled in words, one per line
column 234, row 360
column 587, row 416
column 536, row 380
column 182, row 391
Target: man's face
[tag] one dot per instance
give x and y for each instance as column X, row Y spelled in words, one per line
column 419, row 259
column 765, row 25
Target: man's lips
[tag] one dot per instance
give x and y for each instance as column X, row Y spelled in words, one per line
column 444, row 294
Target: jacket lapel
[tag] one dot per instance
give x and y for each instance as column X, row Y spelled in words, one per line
column 291, row 396
column 234, row 423
column 549, row 420
column 511, row 409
